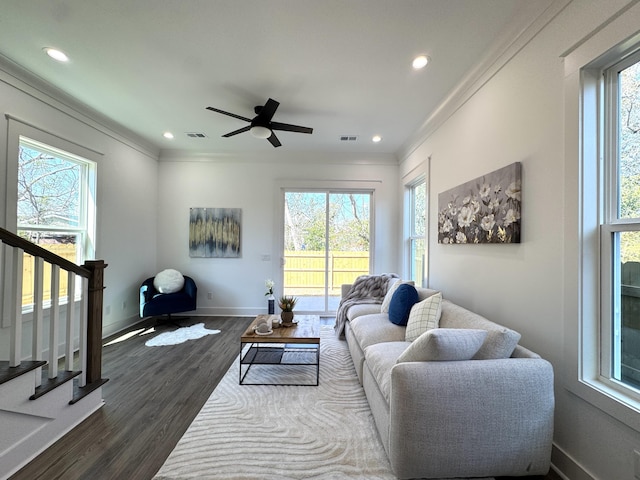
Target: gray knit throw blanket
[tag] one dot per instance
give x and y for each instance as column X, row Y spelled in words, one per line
column 365, row 289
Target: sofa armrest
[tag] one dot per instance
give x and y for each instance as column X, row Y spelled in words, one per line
column 345, row 289
column 471, row 418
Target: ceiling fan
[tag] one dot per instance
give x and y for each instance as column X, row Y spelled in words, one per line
column 261, row 125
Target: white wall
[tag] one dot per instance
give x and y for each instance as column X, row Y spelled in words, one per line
column 126, row 194
column 518, row 115
column 254, row 185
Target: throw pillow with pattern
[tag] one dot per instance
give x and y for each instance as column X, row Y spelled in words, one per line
column 424, row 315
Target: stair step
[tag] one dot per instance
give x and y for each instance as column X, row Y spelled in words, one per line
column 9, row 373
column 49, row 384
column 80, row 392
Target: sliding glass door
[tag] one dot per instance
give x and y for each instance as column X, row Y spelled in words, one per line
column 326, row 243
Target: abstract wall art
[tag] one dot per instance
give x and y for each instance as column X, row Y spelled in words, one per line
column 484, row 210
column 215, row 232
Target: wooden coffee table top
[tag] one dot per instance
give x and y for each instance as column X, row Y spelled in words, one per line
column 306, row 330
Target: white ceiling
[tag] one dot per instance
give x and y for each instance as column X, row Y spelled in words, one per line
column 342, row 67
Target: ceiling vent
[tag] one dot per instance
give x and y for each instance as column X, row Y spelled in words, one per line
column 348, row 138
column 196, row 135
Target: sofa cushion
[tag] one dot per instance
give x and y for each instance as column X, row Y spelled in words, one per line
column 360, row 309
column 168, row 281
column 424, row 315
column 384, row 308
column 380, row 359
column 500, row 341
column 375, row 328
column 403, row 299
column 424, row 293
column 444, row 344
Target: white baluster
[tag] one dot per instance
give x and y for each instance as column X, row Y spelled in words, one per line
column 84, row 318
column 38, row 295
column 15, row 348
column 71, row 310
column 54, row 321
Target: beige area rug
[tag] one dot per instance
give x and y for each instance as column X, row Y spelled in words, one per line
column 284, row 432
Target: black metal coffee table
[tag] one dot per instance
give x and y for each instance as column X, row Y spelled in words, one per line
column 284, row 348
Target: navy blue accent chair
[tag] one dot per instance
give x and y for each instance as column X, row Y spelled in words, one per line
column 154, row 303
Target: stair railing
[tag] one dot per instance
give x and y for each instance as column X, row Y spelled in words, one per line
column 91, row 302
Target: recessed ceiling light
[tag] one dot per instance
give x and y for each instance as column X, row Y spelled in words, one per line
column 420, row 62
column 376, row 138
column 56, row 54
column 168, row 135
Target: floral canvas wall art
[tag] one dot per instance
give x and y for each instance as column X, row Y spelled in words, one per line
column 484, row 210
column 214, row 232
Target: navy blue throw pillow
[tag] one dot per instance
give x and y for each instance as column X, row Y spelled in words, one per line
column 403, row 299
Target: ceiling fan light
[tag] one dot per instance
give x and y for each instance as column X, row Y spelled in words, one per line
column 260, row 132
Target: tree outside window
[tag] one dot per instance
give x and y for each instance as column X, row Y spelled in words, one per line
column 54, row 191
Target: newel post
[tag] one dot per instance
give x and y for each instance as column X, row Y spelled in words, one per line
column 94, row 319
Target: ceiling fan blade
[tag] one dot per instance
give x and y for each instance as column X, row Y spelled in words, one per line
column 229, row 114
column 290, row 128
column 235, row 132
column 266, row 112
column 274, row 140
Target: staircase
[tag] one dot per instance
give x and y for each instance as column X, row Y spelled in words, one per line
column 46, row 387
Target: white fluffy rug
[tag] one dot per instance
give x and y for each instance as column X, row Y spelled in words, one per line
column 180, row 335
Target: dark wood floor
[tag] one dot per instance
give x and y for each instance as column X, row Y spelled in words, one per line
column 152, row 396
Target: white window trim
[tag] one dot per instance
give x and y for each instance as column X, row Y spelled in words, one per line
column 410, row 221
column 584, row 152
column 20, row 128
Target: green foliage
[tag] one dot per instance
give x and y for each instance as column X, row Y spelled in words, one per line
column 306, row 219
column 287, row 302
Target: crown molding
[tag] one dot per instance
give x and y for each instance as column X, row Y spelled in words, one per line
column 289, row 156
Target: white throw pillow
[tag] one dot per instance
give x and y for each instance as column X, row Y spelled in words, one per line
column 384, row 308
column 424, row 315
column 444, row 345
column 168, row 281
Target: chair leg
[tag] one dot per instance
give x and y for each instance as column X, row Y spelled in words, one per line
column 170, row 320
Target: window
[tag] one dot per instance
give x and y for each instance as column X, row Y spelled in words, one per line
column 326, row 244
column 55, row 207
column 620, row 224
column 417, row 231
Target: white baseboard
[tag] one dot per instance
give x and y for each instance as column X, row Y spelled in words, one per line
column 566, row 466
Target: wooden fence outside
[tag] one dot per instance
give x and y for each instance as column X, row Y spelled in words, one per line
column 67, row 251
column 304, row 271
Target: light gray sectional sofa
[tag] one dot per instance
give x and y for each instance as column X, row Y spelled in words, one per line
column 491, row 415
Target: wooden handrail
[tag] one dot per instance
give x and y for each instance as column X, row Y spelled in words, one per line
column 37, row 251
column 93, row 271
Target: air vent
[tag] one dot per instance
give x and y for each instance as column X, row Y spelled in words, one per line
column 348, row 138
column 196, row 135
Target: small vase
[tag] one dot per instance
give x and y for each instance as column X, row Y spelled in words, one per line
column 271, row 301
column 287, row 318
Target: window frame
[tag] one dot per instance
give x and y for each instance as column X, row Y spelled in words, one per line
column 19, row 127
column 611, row 226
column 85, row 230
column 412, row 235
column 585, row 331
column 86, row 212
